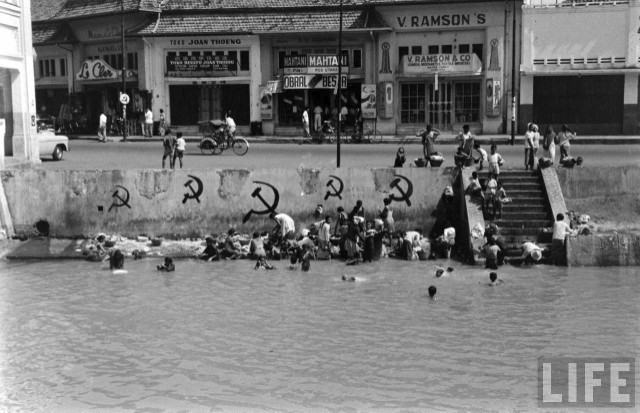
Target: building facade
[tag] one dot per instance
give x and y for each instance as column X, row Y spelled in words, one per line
column 580, row 66
column 17, row 95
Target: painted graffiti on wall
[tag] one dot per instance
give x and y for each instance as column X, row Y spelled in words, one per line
column 117, row 199
column 336, row 191
column 405, row 195
column 269, row 207
column 195, row 194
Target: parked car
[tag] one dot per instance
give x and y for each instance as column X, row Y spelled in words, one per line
column 49, row 143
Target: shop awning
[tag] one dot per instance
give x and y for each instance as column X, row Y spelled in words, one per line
column 266, row 22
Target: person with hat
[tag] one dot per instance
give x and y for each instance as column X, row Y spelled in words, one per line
column 531, row 253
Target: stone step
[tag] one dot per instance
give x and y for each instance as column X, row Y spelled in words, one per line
column 521, row 223
column 526, row 214
column 525, row 193
column 527, row 234
column 533, row 186
column 514, row 178
column 527, row 201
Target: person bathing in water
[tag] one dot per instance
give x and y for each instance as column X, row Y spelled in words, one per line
column 116, row 260
column 168, row 265
column 257, row 251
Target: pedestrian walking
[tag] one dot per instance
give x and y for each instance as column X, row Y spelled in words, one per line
column 102, row 128
column 317, row 118
column 305, row 123
column 531, row 143
column 169, row 144
column 549, row 145
column 148, row 123
column 563, row 139
column 181, row 145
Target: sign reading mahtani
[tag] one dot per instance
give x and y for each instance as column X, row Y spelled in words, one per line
column 420, row 64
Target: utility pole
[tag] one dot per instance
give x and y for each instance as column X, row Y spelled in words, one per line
column 124, row 73
column 339, row 89
column 513, row 77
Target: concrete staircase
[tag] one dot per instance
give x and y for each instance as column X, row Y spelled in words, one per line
column 528, row 217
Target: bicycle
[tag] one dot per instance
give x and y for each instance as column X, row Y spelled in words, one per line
column 216, row 140
column 327, row 133
column 371, row 135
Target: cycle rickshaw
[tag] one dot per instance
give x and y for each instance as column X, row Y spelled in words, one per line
column 215, row 139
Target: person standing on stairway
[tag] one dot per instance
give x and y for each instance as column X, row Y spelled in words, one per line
column 549, row 144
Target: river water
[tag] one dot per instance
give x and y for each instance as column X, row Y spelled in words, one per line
column 224, row 337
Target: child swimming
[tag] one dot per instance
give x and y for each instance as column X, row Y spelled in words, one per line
column 168, row 265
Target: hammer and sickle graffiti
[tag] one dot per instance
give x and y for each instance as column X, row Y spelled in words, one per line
column 336, row 191
column 405, row 195
column 195, row 194
column 269, row 208
column 116, row 196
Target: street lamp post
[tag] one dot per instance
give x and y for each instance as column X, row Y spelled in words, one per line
column 339, row 89
column 513, row 77
column 124, row 73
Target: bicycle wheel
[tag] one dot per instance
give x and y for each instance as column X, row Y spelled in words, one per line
column 207, row 147
column 330, row 137
column 240, row 146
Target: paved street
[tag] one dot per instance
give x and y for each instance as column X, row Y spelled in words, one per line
column 89, row 154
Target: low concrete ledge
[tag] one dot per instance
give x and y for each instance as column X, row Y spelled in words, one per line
column 472, row 218
column 603, row 250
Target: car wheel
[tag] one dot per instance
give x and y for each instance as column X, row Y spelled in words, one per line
column 57, row 153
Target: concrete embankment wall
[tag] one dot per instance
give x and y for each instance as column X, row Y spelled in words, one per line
column 163, row 202
column 601, row 249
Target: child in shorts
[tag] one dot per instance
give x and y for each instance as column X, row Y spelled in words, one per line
column 181, row 145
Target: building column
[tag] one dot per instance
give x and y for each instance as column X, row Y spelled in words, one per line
column 630, row 111
column 526, row 102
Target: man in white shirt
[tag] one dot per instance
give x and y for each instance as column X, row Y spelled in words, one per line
column 181, row 145
column 285, row 224
column 560, row 231
column 324, row 233
column 531, row 253
column 231, row 128
column 305, row 123
column 102, row 128
column 148, row 123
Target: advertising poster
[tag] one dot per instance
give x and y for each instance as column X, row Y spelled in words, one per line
column 266, row 104
column 368, row 101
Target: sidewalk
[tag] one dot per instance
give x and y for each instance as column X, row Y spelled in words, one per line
column 394, row 140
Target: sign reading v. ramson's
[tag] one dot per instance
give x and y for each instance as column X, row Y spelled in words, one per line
column 421, row 64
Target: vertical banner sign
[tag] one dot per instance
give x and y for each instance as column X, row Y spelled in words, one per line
column 497, row 97
column 266, row 103
column 368, row 101
column 493, row 97
column 385, row 100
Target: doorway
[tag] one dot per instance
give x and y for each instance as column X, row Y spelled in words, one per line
column 440, row 105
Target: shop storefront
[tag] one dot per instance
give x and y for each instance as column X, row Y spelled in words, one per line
column 306, row 72
column 446, row 64
column 200, row 78
column 580, row 67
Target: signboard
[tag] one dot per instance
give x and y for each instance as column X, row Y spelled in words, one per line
column 438, row 63
column 124, row 99
column 98, row 69
column 274, row 86
column 368, row 101
column 494, row 97
column 266, row 103
column 318, row 81
column 385, row 100
column 188, row 66
column 315, row 64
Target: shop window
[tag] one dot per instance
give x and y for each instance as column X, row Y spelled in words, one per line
column 447, row 49
column 464, row 48
column 207, row 53
column 132, row 61
column 290, row 107
column 63, row 67
column 47, row 67
column 434, row 49
column 41, row 67
column 195, row 53
column 412, row 103
column 416, row 50
column 402, row 52
column 467, row 102
column 219, row 52
column 244, row 60
column 357, row 58
column 477, row 50
column 171, row 54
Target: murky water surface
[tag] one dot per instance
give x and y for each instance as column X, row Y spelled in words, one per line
column 221, row 336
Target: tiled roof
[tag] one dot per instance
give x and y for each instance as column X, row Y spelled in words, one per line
column 51, row 32
column 44, row 10
column 44, row 32
column 251, row 4
column 314, row 21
